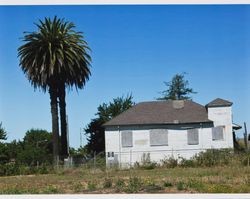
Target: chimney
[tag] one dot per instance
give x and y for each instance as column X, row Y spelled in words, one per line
column 178, row 104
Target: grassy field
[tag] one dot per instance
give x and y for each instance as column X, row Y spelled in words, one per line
column 226, row 179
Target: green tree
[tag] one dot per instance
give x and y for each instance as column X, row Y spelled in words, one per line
column 12, row 149
column 95, row 130
column 53, row 58
column 177, row 89
column 36, row 148
column 3, row 133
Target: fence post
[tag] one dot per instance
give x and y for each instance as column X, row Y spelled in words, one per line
column 130, row 160
column 94, row 160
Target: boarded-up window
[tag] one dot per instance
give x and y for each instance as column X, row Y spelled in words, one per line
column 217, row 133
column 193, row 136
column 110, row 154
column 127, row 139
column 158, row 137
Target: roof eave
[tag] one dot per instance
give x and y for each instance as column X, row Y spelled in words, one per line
column 154, row 124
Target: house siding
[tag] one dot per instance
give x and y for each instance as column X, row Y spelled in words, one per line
column 177, row 145
column 222, row 116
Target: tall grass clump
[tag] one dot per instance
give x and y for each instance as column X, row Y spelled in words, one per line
column 134, row 185
column 170, row 162
column 145, row 163
column 214, row 157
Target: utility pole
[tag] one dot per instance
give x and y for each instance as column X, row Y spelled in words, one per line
column 80, row 137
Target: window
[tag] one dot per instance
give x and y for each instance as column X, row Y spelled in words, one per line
column 158, row 137
column 193, row 136
column 127, row 139
column 217, row 133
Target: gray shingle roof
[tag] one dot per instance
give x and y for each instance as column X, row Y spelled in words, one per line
column 219, row 103
column 162, row 112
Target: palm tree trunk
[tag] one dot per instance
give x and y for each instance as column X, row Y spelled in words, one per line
column 55, row 124
column 62, row 104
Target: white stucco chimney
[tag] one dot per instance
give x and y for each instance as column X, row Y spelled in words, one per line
column 220, row 112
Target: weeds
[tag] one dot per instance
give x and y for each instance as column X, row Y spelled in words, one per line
column 51, row 189
column 77, row 187
column 169, row 162
column 150, row 186
column 107, row 183
column 167, row 184
column 134, row 185
column 119, row 185
column 180, row 186
column 91, row 185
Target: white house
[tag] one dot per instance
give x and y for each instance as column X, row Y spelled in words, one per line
column 162, row 129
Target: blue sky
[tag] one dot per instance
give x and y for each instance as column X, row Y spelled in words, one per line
column 134, row 50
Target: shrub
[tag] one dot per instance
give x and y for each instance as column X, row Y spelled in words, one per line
column 11, row 169
column 245, row 159
column 134, row 185
column 169, row 162
column 119, row 185
column 78, row 187
column 150, row 186
column 197, row 185
column 219, row 188
column 107, row 183
column 214, row 157
column 50, row 189
column 187, row 163
column 167, row 184
column 180, row 186
column 91, row 185
column 146, row 163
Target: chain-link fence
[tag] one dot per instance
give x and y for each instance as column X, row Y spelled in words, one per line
column 135, row 159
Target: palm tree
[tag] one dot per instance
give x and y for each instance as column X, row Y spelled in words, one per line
column 55, row 58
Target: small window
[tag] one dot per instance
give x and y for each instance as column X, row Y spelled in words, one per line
column 217, row 133
column 193, row 136
column 158, row 137
column 127, row 139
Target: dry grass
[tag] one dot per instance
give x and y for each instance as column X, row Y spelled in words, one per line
column 160, row 180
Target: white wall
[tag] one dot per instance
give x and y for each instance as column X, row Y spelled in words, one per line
column 222, row 116
column 177, row 145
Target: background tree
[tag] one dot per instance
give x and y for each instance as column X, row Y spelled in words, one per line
column 3, row 136
column 95, row 130
column 3, row 133
column 37, row 148
column 177, row 89
column 53, row 58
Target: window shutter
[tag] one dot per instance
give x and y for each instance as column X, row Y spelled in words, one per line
column 217, row 133
column 193, row 136
column 158, row 137
column 127, row 139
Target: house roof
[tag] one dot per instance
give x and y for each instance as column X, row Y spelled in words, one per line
column 219, row 103
column 236, row 126
column 162, row 112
